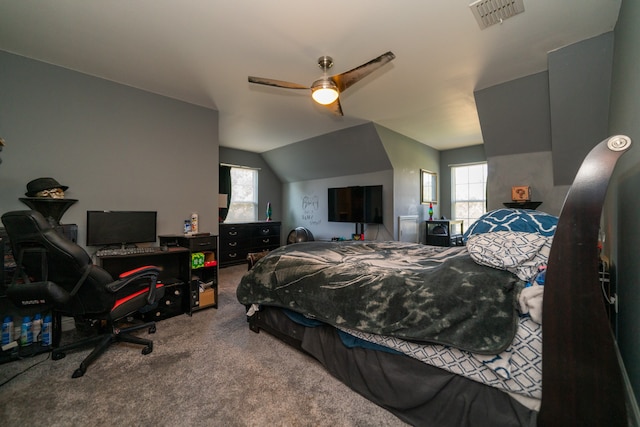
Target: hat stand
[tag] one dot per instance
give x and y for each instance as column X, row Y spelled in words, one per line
column 52, row 209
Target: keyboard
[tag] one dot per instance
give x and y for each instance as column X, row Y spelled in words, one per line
column 128, row 251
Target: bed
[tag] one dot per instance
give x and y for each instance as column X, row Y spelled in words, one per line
column 453, row 336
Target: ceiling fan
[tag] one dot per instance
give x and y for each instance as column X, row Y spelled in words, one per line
column 326, row 90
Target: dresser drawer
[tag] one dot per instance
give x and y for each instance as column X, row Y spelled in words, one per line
column 234, row 231
column 266, row 242
column 234, row 256
column 234, row 243
column 268, row 230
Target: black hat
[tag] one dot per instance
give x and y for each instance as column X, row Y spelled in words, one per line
column 41, row 184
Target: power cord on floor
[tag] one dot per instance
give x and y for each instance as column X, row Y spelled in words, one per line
column 25, row 370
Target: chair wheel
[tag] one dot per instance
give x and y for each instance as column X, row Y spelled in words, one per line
column 152, row 329
column 57, row 356
column 148, row 349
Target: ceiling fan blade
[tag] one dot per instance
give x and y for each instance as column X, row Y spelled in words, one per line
column 276, row 83
column 348, row 78
column 335, row 107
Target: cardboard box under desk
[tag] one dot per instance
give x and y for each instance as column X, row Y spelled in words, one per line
column 207, row 297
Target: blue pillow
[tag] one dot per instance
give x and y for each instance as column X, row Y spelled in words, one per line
column 523, row 220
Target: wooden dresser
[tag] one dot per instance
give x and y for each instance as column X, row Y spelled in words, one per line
column 239, row 239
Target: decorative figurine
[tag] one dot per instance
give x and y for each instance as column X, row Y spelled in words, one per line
column 46, row 196
column 268, row 211
column 430, row 211
column 45, row 187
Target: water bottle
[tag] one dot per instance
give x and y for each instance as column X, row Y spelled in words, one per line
column 46, row 330
column 26, row 331
column 7, row 330
column 37, row 328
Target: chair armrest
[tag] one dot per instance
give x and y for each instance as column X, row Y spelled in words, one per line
column 148, row 272
column 38, row 294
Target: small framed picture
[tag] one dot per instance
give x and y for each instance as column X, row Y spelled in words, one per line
column 521, row 193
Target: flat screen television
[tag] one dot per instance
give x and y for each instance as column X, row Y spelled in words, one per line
column 120, row 227
column 359, row 204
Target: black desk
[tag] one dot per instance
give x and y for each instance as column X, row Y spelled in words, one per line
column 175, row 274
column 174, row 263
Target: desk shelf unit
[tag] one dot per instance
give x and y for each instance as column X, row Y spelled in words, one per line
column 202, row 267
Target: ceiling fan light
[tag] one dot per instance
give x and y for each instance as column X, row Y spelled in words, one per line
column 324, row 92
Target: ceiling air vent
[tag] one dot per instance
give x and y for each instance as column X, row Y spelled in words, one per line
column 490, row 12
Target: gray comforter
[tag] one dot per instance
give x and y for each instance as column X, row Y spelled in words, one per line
column 411, row 291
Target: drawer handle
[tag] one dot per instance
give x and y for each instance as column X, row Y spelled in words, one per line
column 233, row 233
column 265, row 230
column 266, row 240
column 233, row 244
column 233, row 255
column 204, row 244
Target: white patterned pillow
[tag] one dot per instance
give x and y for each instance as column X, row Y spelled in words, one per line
column 518, row 252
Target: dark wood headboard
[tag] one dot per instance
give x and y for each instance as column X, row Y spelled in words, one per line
column 582, row 380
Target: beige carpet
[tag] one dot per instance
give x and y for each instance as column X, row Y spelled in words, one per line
column 206, row 370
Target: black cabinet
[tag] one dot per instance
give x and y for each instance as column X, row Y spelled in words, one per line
column 444, row 233
column 202, row 267
column 239, row 239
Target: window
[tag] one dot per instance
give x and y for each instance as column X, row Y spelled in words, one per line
column 468, row 192
column 244, row 195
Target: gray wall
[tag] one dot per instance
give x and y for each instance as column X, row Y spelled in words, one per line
column 305, row 205
column 362, row 155
column 269, row 185
column 116, row 147
column 532, row 169
column 517, row 118
column 408, row 156
column 352, row 156
column 623, row 204
column 579, row 87
column 352, row 151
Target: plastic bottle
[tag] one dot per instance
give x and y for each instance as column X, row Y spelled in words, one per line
column 37, row 328
column 26, row 331
column 7, row 330
column 194, row 222
column 46, row 330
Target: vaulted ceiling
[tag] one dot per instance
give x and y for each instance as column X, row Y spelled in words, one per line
column 202, row 51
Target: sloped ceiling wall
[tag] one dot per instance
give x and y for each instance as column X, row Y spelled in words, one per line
column 514, row 116
column 563, row 110
column 352, row 151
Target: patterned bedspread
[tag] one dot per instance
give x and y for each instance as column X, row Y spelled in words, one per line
column 410, row 291
column 518, row 369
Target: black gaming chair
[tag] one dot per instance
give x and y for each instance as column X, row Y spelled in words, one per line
column 53, row 271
